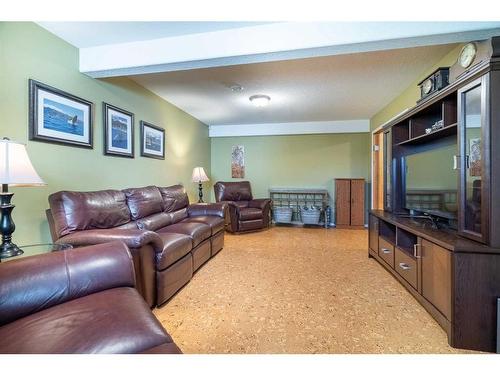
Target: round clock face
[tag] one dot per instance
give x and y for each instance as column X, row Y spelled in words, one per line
column 467, row 55
column 427, row 86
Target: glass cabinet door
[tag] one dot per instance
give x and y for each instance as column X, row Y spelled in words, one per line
column 472, row 164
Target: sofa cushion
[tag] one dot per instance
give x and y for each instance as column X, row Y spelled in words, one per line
column 251, row 224
column 113, row 321
column 250, row 214
column 143, row 201
column 174, row 198
column 241, row 204
column 197, row 231
column 154, row 222
column 233, row 191
column 215, row 223
column 175, row 246
column 178, row 215
column 73, row 211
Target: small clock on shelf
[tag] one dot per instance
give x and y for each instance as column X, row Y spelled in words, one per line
column 434, row 82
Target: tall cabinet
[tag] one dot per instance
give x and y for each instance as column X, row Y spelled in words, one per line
column 349, row 202
column 454, row 271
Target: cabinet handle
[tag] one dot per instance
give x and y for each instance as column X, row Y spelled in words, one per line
column 415, row 251
column 467, row 162
column 386, row 251
column 404, row 266
column 455, row 161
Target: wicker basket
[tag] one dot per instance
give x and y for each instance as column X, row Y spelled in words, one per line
column 282, row 214
column 310, row 215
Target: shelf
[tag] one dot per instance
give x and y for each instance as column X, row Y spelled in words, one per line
column 443, row 132
column 391, row 240
column 320, row 224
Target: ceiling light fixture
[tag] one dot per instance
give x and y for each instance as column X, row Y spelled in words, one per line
column 236, row 88
column 260, row 100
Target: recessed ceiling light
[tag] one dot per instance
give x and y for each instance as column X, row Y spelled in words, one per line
column 236, row 88
column 260, row 100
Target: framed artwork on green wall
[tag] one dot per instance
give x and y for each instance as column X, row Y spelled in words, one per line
column 238, row 161
column 118, row 131
column 152, row 141
column 56, row 116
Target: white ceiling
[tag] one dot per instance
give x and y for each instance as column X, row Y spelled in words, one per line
column 322, row 76
column 91, row 34
column 332, row 88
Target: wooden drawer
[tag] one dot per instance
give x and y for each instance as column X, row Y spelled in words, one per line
column 406, row 266
column 386, row 251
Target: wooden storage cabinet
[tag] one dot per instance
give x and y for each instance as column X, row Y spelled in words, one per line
column 350, row 202
column 436, row 276
column 454, row 271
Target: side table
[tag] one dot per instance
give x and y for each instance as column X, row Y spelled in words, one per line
column 37, row 249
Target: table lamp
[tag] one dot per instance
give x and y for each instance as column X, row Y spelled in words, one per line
column 200, row 176
column 15, row 170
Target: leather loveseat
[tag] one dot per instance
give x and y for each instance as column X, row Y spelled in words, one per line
column 169, row 239
column 77, row 301
column 245, row 213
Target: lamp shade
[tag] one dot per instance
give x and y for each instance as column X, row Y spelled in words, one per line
column 199, row 175
column 15, row 165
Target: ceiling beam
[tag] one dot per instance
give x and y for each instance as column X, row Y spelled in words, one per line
column 290, row 128
column 272, row 42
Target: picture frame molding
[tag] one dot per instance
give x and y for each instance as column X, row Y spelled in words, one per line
column 143, row 152
column 105, row 107
column 33, row 134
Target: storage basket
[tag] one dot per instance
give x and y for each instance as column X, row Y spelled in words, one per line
column 282, row 214
column 310, row 215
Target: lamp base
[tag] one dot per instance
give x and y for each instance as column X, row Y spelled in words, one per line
column 8, row 250
column 200, row 193
column 7, row 227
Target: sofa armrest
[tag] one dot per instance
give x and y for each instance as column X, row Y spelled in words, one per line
column 232, row 216
column 35, row 283
column 133, row 238
column 259, row 203
column 207, row 209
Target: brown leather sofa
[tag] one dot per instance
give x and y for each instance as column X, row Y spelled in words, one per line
column 77, row 301
column 169, row 239
column 245, row 213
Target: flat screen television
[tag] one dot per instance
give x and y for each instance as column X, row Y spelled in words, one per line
column 431, row 182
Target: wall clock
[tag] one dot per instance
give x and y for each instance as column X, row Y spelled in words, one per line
column 467, row 55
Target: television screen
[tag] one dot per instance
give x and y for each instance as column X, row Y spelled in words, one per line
column 431, row 181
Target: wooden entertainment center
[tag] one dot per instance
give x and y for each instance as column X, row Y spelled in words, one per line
column 453, row 269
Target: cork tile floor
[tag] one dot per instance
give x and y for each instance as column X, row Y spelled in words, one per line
column 296, row 290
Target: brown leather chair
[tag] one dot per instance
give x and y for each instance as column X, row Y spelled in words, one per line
column 77, row 301
column 245, row 213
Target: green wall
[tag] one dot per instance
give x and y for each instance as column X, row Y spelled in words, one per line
column 29, row 51
column 408, row 98
column 296, row 161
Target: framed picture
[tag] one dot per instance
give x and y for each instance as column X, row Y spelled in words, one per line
column 475, row 157
column 238, row 162
column 118, row 131
column 152, row 141
column 56, row 116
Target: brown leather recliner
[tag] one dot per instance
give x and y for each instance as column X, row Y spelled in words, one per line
column 245, row 213
column 168, row 238
column 77, row 301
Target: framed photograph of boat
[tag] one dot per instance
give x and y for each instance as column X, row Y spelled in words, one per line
column 152, row 141
column 56, row 116
column 118, row 131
